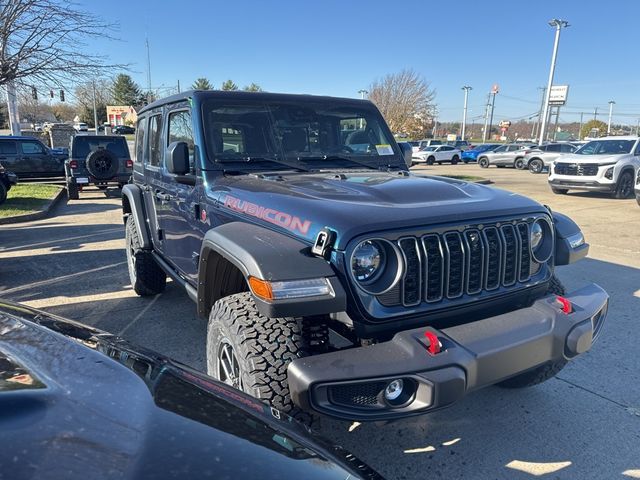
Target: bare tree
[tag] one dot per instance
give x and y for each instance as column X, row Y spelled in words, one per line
column 406, row 101
column 44, row 42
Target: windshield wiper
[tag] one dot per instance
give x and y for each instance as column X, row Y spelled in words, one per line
column 338, row 158
column 270, row 158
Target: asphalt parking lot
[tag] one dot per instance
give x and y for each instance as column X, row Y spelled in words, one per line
column 583, row 424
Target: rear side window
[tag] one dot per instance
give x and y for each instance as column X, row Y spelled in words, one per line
column 32, row 148
column 566, row 148
column 155, row 143
column 140, row 136
column 553, row 148
column 8, row 148
column 180, row 130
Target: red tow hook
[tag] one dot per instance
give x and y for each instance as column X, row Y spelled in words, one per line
column 565, row 305
column 434, row 344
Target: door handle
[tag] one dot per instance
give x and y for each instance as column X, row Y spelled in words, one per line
column 163, row 197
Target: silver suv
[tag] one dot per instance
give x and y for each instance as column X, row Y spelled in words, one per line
column 608, row 164
column 542, row 156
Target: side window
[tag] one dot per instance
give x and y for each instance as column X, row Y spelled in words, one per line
column 140, row 136
column 155, row 140
column 637, row 150
column 32, row 148
column 181, row 130
column 553, row 148
column 8, row 148
column 566, row 148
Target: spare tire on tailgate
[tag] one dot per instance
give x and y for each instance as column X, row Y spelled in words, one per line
column 102, row 164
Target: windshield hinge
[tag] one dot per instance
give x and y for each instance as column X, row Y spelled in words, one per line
column 324, row 243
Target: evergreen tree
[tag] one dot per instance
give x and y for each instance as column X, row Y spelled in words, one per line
column 126, row 91
column 254, row 87
column 202, row 83
column 229, row 85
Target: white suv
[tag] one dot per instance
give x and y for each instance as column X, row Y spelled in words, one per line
column 608, row 164
column 437, row 154
column 543, row 156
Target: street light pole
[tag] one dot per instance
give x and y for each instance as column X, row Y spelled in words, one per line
column 464, row 113
column 493, row 104
column 558, row 24
column 611, row 104
column 486, row 119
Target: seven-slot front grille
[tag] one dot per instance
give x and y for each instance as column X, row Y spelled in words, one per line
column 577, row 169
column 455, row 263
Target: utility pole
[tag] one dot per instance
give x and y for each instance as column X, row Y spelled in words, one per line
column 464, row 112
column 558, row 24
column 611, row 104
column 95, row 112
column 595, row 113
column 12, row 109
column 178, row 86
column 580, row 128
column 493, row 104
column 486, row 118
column 537, row 125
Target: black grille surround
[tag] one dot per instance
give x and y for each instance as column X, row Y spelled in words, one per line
column 451, row 266
column 576, row 169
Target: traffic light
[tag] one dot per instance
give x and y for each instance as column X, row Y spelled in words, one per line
column 34, row 93
column 51, row 93
column 62, row 95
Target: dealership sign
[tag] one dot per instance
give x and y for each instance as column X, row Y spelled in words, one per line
column 558, row 95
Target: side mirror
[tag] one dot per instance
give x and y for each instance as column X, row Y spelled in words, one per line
column 407, row 152
column 178, row 158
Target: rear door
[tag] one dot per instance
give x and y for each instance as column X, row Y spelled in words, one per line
column 180, row 221
column 9, row 156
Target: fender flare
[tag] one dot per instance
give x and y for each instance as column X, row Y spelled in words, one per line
column 564, row 229
column 133, row 204
column 268, row 255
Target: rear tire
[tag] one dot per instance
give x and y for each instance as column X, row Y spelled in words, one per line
column 483, row 162
column 624, row 187
column 263, row 349
column 519, row 163
column 543, row 372
column 73, row 192
column 454, row 160
column 147, row 278
column 536, row 166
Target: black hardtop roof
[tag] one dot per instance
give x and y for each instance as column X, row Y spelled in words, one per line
column 242, row 95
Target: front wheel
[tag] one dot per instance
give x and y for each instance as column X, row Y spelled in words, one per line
column 536, row 166
column 483, row 162
column 431, row 160
column 251, row 352
column 546, row 371
column 624, row 187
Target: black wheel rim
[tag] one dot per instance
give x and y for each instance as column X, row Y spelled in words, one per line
column 102, row 165
column 625, row 186
column 536, row 167
column 131, row 258
column 228, row 366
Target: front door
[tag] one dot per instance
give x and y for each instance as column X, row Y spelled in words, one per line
column 37, row 160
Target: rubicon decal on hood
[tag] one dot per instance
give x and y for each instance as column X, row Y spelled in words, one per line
column 270, row 215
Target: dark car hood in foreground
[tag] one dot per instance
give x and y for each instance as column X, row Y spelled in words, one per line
column 78, row 403
column 356, row 202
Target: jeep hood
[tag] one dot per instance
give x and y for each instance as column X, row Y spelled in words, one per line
column 592, row 159
column 357, row 202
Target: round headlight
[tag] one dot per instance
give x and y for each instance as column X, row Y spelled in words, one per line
column 367, row 260
column 536, row 235
column 541, row 240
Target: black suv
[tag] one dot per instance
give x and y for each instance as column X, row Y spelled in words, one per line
column 99, row 160
column 28, row 157
column 7, row 180
column 333, row 279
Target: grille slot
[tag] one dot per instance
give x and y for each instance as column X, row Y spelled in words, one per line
column 412, row 280
column 362, row 395
column 577, row 169
column 452, row 264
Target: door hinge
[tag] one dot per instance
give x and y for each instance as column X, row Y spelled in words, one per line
column 324, row 242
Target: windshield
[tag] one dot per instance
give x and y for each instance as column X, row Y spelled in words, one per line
column 428, row 149
column 308, row 134
column 606, row 147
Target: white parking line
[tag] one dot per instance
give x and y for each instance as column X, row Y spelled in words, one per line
column 137, row 317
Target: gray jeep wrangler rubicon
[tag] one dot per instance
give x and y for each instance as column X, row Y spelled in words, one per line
column 334, row 280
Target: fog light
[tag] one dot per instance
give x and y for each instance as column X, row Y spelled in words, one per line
column 609, row 173
column 393, row 390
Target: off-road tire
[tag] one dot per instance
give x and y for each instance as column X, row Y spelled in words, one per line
column 624, row 187
column 73, row 192
column 559, row 191
column 519, row 163
column 3, row 192
column 483, row 162
column 263, row 347
column 455, row 160
column 147, row 278
column 543, row 372
column 536, row 166
column 431, row 160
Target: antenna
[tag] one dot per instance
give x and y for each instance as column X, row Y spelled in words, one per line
column 148, row 70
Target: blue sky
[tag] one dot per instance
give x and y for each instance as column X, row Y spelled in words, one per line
column 337, row 47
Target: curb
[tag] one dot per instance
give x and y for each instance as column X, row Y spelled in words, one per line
column 36, row 215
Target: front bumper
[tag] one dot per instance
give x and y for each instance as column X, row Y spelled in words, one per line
column 587, row 185
column 350, row 384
